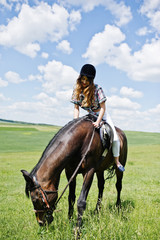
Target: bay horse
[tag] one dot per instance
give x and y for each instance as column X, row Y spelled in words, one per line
column 65, row 151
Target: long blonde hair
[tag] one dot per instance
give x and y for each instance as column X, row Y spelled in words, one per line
column 88, row 92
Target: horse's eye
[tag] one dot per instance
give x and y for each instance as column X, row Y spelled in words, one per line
column 34, row 197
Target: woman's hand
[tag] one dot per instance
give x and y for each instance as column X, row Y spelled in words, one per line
column 101, row 114
column 96, row 124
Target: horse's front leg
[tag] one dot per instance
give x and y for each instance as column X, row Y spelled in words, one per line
column 71, row 196
column 81, row 203
column 100, row 178
column 119, row 176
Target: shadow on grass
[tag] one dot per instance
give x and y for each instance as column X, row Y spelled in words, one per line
column 126, row 206
column 124, row 210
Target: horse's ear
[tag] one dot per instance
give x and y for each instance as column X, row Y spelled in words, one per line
column 27, row 177
column 29, row 181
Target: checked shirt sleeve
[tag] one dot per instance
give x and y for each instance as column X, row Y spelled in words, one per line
column 74, row 98
column 100, row 95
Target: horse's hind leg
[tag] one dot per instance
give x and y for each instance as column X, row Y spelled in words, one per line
column 100, row 178
column 119, row 176
column 71, row 196
column 81, row 203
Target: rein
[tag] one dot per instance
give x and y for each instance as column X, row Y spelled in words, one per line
column 76, row 170
column 43, row 193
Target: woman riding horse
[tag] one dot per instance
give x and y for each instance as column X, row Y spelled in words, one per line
column 91, row 97
column 77, row 148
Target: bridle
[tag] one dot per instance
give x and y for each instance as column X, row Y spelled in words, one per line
column 43, row 194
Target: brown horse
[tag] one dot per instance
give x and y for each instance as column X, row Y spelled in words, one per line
column 76, row 141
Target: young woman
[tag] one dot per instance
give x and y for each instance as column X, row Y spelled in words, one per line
column 91, row 97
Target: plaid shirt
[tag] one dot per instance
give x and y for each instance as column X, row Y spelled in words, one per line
column 99, row 97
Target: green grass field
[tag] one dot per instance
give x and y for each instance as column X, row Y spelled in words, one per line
column 21, row 146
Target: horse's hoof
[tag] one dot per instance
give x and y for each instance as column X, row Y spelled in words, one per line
column 97, row 210
column 77, row 233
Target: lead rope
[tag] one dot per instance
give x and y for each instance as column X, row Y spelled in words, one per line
column 75, row 172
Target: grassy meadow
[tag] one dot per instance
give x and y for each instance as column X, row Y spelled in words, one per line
column 21, row 146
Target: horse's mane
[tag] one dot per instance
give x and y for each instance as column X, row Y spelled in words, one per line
column 58, row 135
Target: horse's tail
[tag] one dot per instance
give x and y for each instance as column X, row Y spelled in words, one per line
column 110, row 172
column 124, row 149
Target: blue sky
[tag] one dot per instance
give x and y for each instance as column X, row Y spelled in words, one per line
column 43, row 45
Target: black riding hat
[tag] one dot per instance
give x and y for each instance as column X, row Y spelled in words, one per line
column 88, row 70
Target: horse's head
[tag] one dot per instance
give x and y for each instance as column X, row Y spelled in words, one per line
column 43, row 200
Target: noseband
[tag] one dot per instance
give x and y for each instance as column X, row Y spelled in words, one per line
column 43, row 195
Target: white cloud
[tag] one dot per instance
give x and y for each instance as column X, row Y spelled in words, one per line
column 52, row 105
column 108, row 46
column 85, row 5
column 150, row 6
column 155, row 110
column 13, row 77
column 155, row 20
column 113, row 90
column 130, row 92
column 3, row 83
column 102, row 44
column 122, row 103
column 38, row 111
column 57, row 77
column 3, row 98
column 127, row 115
column 74, row 19
column 151, row 9
column 143, row 31
column 44, row 55
column 45, row 99
column 120, row 11
column 64, row 95
column 146, row 63
column 5, row 4
column 35, row 25
column 37, row 77
column 26, row 107
column 135, row 120
column 10, row 4
column 64, row 46
column 29, row 49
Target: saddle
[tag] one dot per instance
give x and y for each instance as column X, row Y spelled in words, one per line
column 106, row 133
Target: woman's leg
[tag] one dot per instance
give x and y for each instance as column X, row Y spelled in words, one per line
column 116, row 145
column 116, row 153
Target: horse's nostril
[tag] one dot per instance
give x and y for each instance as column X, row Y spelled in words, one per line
column 49, row 219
